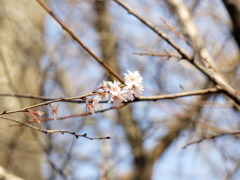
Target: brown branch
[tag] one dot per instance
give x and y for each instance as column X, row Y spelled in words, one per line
column 98, row 59
column 43, row 98
column 29, row 96
column 176, row 127
column 202, row 55
column 141, row 98
column 209, row 71
column 53, row 131
column 155, row 29
column 179, row 95
column 76, row 115
column 211, row 137
column 166, row 55
column 180, row 35
column 45, row 103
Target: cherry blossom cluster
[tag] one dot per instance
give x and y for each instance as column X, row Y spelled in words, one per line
column 114, row 91
column 37, row 114
column 117, row 92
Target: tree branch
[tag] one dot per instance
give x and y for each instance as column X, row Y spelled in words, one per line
column 211, row 137
column 45, row 103
column 209, row 71
column 55, row 131
column 72, row 99
column 98, row 59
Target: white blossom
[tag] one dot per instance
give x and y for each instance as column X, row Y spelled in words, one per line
column 117, row 94
column 55, row 111
column 114, row 88
column 90, row 107
column 106, row 85
column 94, row 105
column 129, row 94
column 133, row 81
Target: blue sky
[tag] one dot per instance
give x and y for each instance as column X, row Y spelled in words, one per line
column 200, row 161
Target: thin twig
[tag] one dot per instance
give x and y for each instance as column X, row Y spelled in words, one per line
column 52, row 131
column 76, row 115
column 45, row 103
column 98, row 59
column 211, row 137
column 43, row 98
column 166, row 55
column 180, row 35
column 30, row 96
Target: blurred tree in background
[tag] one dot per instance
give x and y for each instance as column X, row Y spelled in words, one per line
column 186, row 124
column 21, row 48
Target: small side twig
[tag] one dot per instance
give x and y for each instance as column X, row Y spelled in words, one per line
column 180, row 35
column 52, row 131
column 165, row 55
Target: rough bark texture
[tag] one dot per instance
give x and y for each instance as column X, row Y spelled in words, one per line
column 21, row 47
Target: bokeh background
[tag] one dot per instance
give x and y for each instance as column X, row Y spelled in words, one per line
column 38, row 57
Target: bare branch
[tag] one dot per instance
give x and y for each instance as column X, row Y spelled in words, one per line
column 166, row 54
column 77, row 115
column 98, row 59
column 72, row 99
column 141, row 98
column 155, row 29
column 53, row 131
column 43, row 98
column 212, row 137
column 178, row 95
column 45, row 103
column 209, row 71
